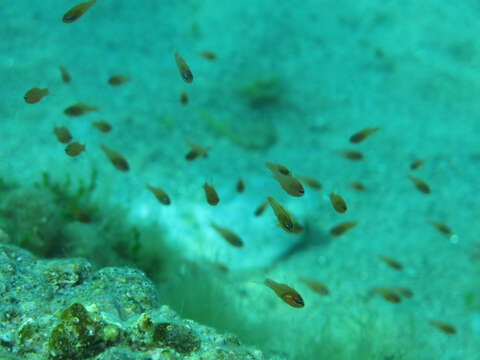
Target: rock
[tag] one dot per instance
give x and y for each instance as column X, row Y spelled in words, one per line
column 62, row 310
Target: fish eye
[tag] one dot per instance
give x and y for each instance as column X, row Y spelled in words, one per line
column 301, row 191
column 298, row 301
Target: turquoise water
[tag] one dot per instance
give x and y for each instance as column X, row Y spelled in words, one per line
column 290, row 84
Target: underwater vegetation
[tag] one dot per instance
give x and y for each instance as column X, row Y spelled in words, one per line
column 59, row 219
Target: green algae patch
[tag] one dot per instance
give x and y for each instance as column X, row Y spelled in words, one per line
column 77, row 336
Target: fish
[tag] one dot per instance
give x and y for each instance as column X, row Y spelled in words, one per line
column 443, row 326
column 390, row 262
column 78, row 10
column 210, row 194
column 62, row 134
column 316, row 286
column 388, row 294
column 416, row 164
column 221, row 267
column 228, row 235
column 240, row 186
column 161, row 195
column 74, row 149
column 34, row 95
column 342, row 228
column 311, row 182
column 184, row 98
column 357, row 186
column 288, row 183
column 208, row 55
column 185, row 72
column 64, row 74
column 421, row 185
column 286, row 293
column 277, row 168
column 102, row 126
column 261, row 208
column 196, row 151
column 117, row 80
column 81, row 215
column 297, row 227
column 352, row 155
column 79, row 109
column 116, row 159
column 444, row 229
column 284, row 219
column 403, row 291
column 362, row 135
column 338, row 203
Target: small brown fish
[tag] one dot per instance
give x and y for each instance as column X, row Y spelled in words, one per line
column 117, row 80
column 210, row 194
column 350, row 155
column 443, row 326
column 231, row 237
column 261, row 208
column 316, row 286
column 362, row 135
column 184, row 98
column 161, row 195
column 311, row 182
column 208, row 55
column 342, row 228
column 34, row 95
column 403, row 291
column 221, row 267
column 421, row 185
column 277, row 168
column 357, row 186
column 297, row 227
column 64, row 74
column 102, row 126
column 338, row 203
column 79, row 110
column 62, row 134
column 284, row 219
column 288, row 183
column 74, row 149
column 390, row 262
column 196, row 151
column 286, row 293
column 388, row 294
column 416, row 164
column 240, row 186
column 444, row 229
column 78, row 10
column 116, row 159
column 185, row 72
column 81, row 215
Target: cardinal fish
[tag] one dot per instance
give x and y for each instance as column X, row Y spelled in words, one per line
column 286, row 293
